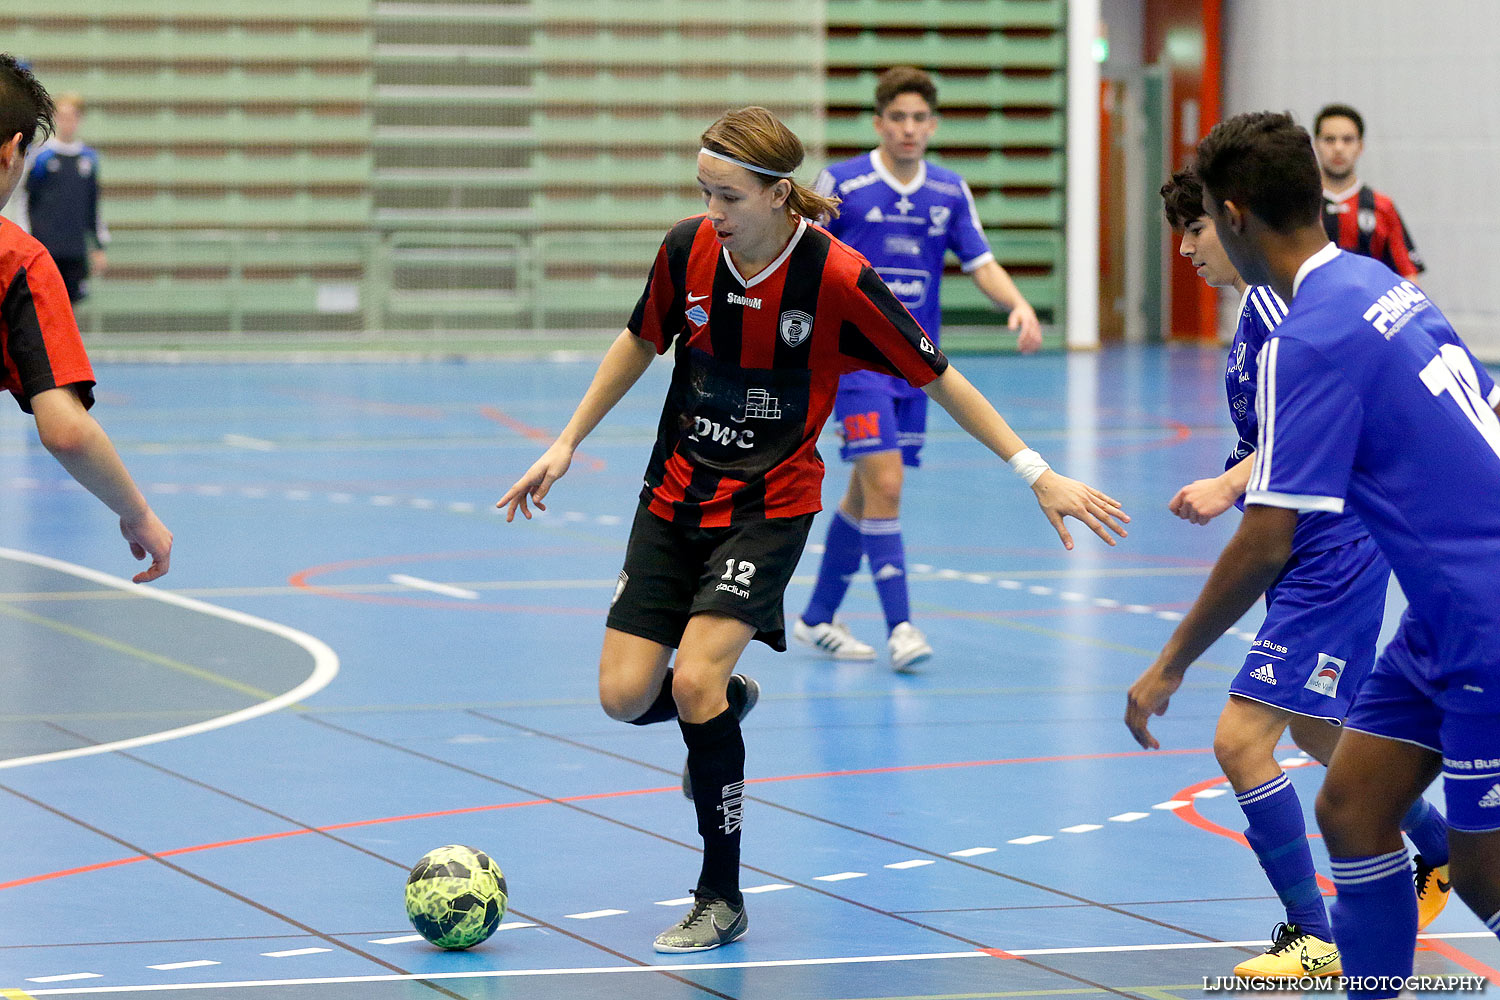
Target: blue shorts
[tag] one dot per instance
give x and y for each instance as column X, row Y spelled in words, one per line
column 1398, row 702
column 1317, row 644
column 870, row 421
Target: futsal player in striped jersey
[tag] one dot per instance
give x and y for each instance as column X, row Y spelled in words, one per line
column 42, row 359
column 1312, row 653
column 762, row 313
column 1367, row 400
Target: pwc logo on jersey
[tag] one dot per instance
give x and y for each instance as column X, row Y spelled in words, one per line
column 1396, row 308
column 1325, row 679
column 796, row 326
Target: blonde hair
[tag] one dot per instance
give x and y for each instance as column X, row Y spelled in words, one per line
column 754, row 135
column 71, row 97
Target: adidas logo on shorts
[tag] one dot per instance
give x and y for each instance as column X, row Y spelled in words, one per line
column 1491, row 798
column 1264, row 673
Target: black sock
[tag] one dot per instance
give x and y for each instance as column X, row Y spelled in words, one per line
column 716, row 765
column 662, row 709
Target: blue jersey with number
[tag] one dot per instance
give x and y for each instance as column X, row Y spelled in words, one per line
column 1368, row 398
column 1261, row 311
column 904, row 230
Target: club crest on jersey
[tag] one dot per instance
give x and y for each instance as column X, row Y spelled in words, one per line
column 796, row 326
column 697, row 315
column 1325, row 679
column 939, row 214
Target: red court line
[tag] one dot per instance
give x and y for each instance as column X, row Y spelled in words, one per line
column 535, row 434
column 1193, row 817
column 1464, row 959
column 1180, row 433
column 594, row 796
column 998, row 953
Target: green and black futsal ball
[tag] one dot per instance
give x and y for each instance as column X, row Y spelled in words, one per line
column 455, row 896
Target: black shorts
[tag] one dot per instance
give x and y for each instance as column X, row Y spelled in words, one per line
column 673, row 572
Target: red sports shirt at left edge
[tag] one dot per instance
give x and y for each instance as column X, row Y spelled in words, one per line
column 40, row 347
column 757, row 365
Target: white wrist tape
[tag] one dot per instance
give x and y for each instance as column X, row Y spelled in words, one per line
column 1027, row 464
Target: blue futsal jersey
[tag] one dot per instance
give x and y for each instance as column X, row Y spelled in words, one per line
column 1261, row 311
column 904, row 230
column 1368, row 398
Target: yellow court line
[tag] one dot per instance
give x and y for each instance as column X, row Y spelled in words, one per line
column 15, row 995
column 135, row 652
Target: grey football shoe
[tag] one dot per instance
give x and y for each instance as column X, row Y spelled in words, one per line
column 710, row 923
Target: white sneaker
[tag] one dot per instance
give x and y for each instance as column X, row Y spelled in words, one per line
column 908, row 648
column 833, row 638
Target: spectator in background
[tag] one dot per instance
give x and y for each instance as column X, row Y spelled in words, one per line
column 62, row 187
column 1356, row 216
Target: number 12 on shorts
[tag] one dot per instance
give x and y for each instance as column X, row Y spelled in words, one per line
column 1453, row 373
column 746, row 572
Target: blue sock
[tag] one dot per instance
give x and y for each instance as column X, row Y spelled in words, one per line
column 841, row 555
column 887, row 555
column 1278, row 835
column 1428, row 830
column 1375, row 916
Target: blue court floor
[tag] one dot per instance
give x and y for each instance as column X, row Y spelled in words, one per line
column 214, row 787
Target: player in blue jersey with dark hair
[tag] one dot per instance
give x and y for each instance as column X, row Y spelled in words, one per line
column 1368, row 401
column 903, row 214
column 1312, row 653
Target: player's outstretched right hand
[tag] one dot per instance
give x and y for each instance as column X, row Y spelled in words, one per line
column 537, row 482
column 1063, row 497
column 148, row 537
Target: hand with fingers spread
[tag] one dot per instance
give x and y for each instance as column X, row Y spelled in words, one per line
column 537, row 482
column 1149, row 696
column 1062, row 497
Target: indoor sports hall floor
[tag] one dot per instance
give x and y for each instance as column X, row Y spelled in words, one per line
column 354, row 660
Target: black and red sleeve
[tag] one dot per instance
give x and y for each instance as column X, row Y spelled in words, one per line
column 659, row 315
column 877, row 333
column 41, row 347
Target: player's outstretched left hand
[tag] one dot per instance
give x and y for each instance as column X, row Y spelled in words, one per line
column 1028, row 330
column 1063, row 497
column 537, row 482
column 1149, row 696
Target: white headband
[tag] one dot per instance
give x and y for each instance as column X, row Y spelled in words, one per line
column 748, row 166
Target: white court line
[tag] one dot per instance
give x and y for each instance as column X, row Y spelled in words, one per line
column 788, row 963
column 294, row 952
column 918, row 863
column 769, row 887
column 325, row 662
column 403, row 939
column 1081, row 828
column 249, row 443
column 594, row 914
column 839, row 876
column 174, row 966
column 1035, row 838
column 417, row 583
column 1173, row 804
column 1129, row 817
column 971, row 852
column 66, row 978
column 683, row 901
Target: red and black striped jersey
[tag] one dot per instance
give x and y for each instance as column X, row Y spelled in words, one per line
column 757, row 366
column 1364, row 221
column 40, row 348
